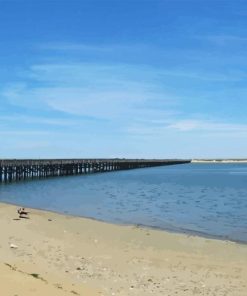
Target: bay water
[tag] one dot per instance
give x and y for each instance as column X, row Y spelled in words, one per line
column 206, row 199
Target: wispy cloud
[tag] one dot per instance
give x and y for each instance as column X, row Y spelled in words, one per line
column 21, row 133
column 190, row 64
column 208, row 126
column 99, row 91
column 81, row 47
column 187, row 127
column 134, row 98
column 42, row 120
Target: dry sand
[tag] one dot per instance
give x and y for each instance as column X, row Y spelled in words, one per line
column 55, row 254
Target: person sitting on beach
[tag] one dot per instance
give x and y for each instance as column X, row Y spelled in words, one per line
column 22, row 213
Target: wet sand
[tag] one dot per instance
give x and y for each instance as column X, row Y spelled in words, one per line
column 53, row 254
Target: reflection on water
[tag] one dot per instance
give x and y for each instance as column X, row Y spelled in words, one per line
column 206, row 198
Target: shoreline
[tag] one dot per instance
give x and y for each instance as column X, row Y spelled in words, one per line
column 182, row 231
column 58, row 254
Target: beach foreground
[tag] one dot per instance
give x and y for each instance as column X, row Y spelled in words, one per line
column 52, row 254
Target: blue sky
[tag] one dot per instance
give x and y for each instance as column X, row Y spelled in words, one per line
column 153, row 79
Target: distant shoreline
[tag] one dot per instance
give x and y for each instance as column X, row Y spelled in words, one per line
column 219, row 161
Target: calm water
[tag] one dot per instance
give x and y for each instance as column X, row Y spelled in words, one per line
column 202, row 198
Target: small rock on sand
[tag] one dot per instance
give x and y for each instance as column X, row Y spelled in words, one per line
column 13, row 246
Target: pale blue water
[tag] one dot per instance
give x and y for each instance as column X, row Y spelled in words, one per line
column 202, row 198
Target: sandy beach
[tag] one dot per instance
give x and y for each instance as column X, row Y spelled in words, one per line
column 53, row 254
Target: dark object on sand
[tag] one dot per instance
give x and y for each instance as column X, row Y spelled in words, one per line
column 22, row 213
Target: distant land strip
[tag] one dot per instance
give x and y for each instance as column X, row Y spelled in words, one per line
column 219, row 160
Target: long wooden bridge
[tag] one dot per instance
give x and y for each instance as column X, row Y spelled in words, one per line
column 12, row 170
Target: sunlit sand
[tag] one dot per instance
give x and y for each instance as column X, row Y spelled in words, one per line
column 52, row 254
